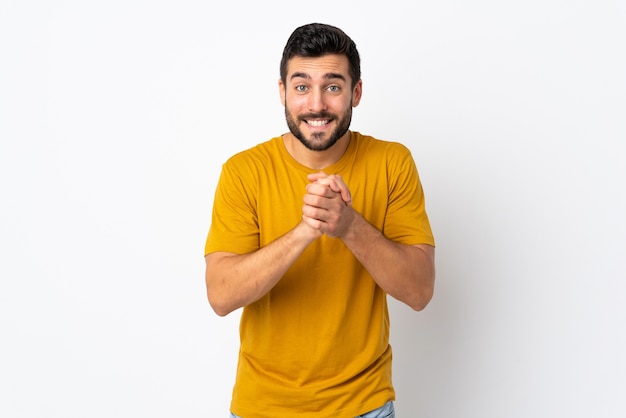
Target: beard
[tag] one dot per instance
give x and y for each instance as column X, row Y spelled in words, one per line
column 317, row 142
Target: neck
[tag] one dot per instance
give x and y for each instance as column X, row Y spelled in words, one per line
column 316, row 160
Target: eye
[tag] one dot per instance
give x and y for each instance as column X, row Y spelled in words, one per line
column 334, row 89
column 300, row 88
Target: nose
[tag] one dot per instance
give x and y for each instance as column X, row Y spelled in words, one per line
column 316, row 101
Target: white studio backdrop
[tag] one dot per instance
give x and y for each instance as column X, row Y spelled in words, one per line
column 115, row 118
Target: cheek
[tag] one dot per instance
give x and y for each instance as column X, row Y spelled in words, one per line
column 345, row 106
column 295, row 104
column 343, row 102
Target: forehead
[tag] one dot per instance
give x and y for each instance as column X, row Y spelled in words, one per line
column 318, row 67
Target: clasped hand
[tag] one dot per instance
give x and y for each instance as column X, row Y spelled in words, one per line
column 327, row 205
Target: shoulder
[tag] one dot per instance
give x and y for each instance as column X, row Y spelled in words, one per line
column 257, row 156
column 370, row 145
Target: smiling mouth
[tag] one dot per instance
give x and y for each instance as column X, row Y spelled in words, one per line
column 317, row 123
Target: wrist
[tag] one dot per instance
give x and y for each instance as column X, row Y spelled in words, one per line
column 359, row 230
column 307, row 232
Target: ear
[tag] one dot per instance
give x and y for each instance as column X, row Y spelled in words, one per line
column 357, row 93
column 281, row 91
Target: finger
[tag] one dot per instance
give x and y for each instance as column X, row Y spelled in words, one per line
column 343, row 188
column 313, row 223
column 316, row 176
column 336, row 184
column 319, row 189
column 328, row 181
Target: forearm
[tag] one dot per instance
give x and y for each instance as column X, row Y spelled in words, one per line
column 406, row 272
column 234, row 280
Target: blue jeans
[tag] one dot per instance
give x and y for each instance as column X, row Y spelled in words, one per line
column 385, row 411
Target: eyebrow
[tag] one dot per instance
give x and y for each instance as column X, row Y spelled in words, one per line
column 327, row 76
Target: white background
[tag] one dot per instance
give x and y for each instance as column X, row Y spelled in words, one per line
column 116, row 116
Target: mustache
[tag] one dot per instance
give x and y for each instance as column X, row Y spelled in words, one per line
column 321, row 115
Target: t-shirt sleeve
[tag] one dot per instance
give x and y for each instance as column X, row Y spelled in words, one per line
column 406, row 220
column 234, row 225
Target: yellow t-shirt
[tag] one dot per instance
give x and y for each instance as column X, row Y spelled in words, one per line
column 317, row 345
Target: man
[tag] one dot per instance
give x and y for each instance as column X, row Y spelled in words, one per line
column 310, row 231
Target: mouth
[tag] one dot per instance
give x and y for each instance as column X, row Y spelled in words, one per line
column 317, row 123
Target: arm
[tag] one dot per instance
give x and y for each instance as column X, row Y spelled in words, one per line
column 235, row 280
column 406, row 272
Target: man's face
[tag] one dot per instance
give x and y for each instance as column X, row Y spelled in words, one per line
column 318, row 99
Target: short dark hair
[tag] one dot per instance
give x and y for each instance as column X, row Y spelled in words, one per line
column 318, row 39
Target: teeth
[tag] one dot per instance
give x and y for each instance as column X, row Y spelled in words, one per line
column 317, row 122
